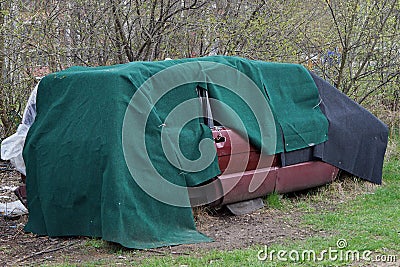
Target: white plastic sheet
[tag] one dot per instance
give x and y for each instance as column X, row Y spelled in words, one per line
column 12, row 147
column 11, row 209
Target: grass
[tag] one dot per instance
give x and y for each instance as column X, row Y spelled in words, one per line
column 274, row 201
column 95, row 243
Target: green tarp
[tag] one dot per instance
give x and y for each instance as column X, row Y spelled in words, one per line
column 105, row 157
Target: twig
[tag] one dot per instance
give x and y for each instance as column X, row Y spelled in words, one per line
column 176, row 252
column 7, row 170
column 42, row 252
column 18, row 232
column 156, row 251
column 179, row 253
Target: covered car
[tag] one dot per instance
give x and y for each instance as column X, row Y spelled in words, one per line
column 123, row 152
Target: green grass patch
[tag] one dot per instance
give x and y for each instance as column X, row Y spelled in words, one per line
column 96, row 243
column 273, row 200
column 371, row 221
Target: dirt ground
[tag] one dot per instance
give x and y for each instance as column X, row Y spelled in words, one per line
column 263, row 227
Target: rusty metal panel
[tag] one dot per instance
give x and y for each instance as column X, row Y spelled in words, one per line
column 235, row 154
column 237, row 187
column 304, row 175
column 248, row 185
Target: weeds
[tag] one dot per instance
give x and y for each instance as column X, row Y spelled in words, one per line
column 96, row 243
column 393, row 149
column 273, row 200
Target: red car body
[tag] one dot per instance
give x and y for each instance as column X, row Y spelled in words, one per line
column 247, row 174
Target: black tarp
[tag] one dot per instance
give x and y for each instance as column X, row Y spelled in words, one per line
column 357, row 139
